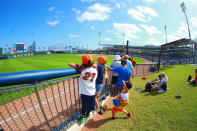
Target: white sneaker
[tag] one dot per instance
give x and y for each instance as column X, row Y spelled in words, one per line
column 160, row 91
column 96, row 109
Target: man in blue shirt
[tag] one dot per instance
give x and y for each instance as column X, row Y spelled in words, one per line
column 123, row 74
column 129, row 64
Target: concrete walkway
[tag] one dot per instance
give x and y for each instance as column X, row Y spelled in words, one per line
column 97, row 120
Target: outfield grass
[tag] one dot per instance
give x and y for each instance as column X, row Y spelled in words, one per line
column 42, row 62
column 153, row 112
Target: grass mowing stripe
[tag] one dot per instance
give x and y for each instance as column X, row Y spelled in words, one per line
column 41, row 62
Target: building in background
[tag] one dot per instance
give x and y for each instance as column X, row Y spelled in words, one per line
column 32, row 47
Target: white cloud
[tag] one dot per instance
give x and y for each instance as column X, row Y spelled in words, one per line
column 92, row 27
column 110, row 31
column 118, row 5
column 53, row 23
column 181, row 32
column 194, row 35
column 149, row 1
column 147, row 10
column 128, row 29
column 153, row 41
column 51, row 8
column 97, row 7
column 142, row 13
column 76, row 11
column 194, row 21
column 73, row 36
column 107, row 39
column 136, row 15
column 95, row 12
column 150, row 29
column 170, row 38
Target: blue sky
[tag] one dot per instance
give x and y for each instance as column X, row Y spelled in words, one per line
column 51, row 22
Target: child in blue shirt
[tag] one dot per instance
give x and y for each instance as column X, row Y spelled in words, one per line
column 100, row 78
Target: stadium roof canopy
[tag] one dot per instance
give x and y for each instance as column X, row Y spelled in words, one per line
column 121, row 46
column 179, row 42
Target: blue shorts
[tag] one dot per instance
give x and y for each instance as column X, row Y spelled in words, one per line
column 88, row 103
column 99, row 87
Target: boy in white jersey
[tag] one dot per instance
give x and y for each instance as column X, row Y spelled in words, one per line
column 121, row 101
column 87, row 84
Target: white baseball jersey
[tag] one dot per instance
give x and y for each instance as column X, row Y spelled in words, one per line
column 87, row 81
column 124, row 96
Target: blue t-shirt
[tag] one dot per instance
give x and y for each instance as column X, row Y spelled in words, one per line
column 100, row 77
column 123, row 74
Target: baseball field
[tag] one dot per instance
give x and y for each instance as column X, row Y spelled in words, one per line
column 42, row 62
column 151, row 111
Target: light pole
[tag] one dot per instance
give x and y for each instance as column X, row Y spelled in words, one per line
column 183, row 7
column 123, row 35
column 165, row 27
column 99, row 36
column 12, row 31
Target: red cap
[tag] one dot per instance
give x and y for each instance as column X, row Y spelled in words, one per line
column 126, row 57
column 143, row 77
column 102, row 59
column 86, row 58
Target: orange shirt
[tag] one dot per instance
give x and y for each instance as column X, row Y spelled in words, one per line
column 196, row 79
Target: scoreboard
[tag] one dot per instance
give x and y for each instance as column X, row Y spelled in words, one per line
column 20, row 47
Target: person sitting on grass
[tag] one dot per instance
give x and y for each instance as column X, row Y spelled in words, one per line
column 164, row 78
column 160, row 85
column 121, row 101
column 193, row 81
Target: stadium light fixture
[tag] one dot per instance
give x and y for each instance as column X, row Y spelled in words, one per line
column 183, row 7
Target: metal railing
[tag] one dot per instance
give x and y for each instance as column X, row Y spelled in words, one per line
column 47, row 105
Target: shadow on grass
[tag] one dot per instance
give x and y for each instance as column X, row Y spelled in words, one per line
column 152, row 93
column 193, row 85
column 93, row 124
